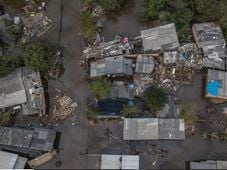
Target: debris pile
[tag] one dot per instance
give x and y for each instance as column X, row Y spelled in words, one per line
column 97, row 11
column 119, row 46
column 57, row 69
column 35, row 20
column 142, row 83
column 178, row 67
column 64, row 107
column 191, row 56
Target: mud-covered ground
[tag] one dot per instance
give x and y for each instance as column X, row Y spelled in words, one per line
column 80, row 142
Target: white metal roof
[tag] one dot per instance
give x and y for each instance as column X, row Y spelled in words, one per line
column 130, row 162
column 120, row 162
column 11, row 161
column 12, row 91
column 153, row 128
column 141, row 129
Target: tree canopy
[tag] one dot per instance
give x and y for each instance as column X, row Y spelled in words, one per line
column 188, row 112
column 184, row 12
column 111, row 5
column 39, row 57
column 100, row 87
column 87, row 25
column 5, row 117
column 7, row 65
column 151, row 9
column 154, row 98
column 130, row 110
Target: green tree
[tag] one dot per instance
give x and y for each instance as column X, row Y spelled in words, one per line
column 206, row 10
column 154, row 98
column 111, row 5
column 183, row 23
column 130, row 110
column 188, row 112
column 15, row 3
column 100, row 87
column 87, row 26
column 5, row 118
column 7, row 65
column 39, row 57
column 151, row 9
column 91, row 113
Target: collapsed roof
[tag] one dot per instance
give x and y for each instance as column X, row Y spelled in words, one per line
column 209, row 37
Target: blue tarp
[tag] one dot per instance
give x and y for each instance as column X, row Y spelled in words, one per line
column 212, row 88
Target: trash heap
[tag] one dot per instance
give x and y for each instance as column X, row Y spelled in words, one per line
column 176, row 68
column 97, row 11
column 64, row 107
column 119, row 46
column 35, row 20
column 191, row 56
column 57, row 68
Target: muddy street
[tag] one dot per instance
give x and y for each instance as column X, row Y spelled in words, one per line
column 80, row 140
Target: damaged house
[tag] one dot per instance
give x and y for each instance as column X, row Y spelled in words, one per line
column 22, row 90
column 209, row 37
column 112, row 66
column 143, row 73
column 159, row 39
column 216, row 86
column 35, row 26
column 8, row 30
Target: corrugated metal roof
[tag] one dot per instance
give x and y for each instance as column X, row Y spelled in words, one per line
column 210, row 38
column 221, row 164
column 120, row 162
column 203, row 165
column 16, row 137
column 171, row 129
column 160, row 38
column 141, row 129
column 20, row 163
column 11, row 161
column 35, row 139
column 130, row 162
column 7, row 160
column 12, row 91
column 153, row 128
column 43, row 139
column 111, row 65
column 144, row 64
column 209, row 164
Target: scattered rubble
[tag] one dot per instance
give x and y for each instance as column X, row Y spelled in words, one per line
column 35, row 26
column 35, row 21
column 57, row 68
column 97, row 11
column 64, row 107
column 178, row 67
column 120, row 45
